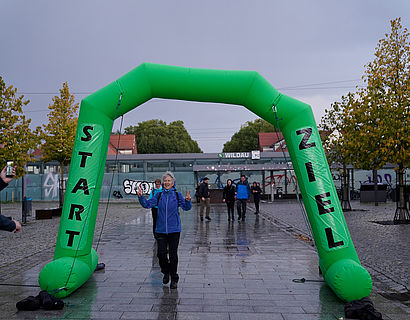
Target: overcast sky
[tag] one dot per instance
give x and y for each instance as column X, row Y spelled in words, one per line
column 314, row 51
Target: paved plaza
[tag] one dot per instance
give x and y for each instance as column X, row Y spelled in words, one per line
column 228, row 270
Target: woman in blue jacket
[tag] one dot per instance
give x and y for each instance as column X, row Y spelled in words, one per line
column 168, row 226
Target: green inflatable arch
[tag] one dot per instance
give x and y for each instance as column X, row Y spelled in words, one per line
column 75, row 259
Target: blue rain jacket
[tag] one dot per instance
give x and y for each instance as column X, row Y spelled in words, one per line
column 168, row 220
column 242, row 190
column 154, row 192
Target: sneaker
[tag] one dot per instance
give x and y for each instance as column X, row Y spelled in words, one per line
column 208, row 218
column 174, row 284
column 202, row 218
column 165, row 279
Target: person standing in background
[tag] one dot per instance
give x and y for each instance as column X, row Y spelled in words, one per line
column 198, row 198
column 154, row 210
column 256, row 192
column 243, row 194
column 229, row 198
column 205, row 199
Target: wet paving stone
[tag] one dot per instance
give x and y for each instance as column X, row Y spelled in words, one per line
column 228, row 271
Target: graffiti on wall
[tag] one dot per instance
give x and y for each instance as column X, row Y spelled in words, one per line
column 279, row 179
column 50, row 185
column 386, row 178
column 131, row 186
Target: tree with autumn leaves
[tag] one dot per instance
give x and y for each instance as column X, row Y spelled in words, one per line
column 18, row 139
column 59, row 133
column 335, row 139
column 374, row 121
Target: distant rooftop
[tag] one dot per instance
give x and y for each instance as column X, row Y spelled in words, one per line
column 272, row 141
column 122, row 144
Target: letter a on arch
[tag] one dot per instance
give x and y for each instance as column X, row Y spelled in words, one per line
column 75, row 260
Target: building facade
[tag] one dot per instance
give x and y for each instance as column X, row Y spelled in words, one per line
column 124, row 172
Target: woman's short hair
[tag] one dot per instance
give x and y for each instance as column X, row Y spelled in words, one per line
column 168, row 174
column 157, row 181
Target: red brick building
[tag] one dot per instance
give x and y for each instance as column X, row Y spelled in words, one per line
column 127, row 144
column 272, row 141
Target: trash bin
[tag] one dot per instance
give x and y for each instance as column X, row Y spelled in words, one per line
column 395, row 195
column 367, row 193
column 27, row 205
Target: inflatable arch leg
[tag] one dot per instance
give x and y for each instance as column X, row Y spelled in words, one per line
column 75, row 260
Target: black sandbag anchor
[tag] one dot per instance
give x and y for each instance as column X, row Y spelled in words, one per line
column 362, row 309
column 49, row 302
column 29, row 304
column 42, row 300
column 100, row 266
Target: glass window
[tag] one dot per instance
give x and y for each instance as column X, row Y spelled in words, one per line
column 137, row 166
column 233, row 161
column 207, row 162
column 50, row 168
column 213, row 182
column 157, row 166
column 183, row 165
column 124, row 167
column 254, row 176
column 111, row 167
column 233, row 175
column 33, row 169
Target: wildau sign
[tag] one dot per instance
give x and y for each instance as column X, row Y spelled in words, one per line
column 234, row 155
column 255, row 155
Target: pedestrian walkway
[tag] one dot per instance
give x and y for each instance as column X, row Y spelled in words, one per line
column 383, row 248
column 228, row 270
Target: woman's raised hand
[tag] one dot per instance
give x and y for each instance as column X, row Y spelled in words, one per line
column 188, row 196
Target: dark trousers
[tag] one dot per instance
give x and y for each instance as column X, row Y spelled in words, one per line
column 154, row 219
column 241, row 207
column 168, row 253
column 256, row 201
column 231, row 209
column 205, row 204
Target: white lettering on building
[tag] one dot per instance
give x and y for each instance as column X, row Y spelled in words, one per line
column 236, row 155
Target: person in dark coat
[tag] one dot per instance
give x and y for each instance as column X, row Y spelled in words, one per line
column 205, row 200
column 5, row 223
column 256, row 191
column 229, row 198
column 197, row 196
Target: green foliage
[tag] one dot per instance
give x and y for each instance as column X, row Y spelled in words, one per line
column 155, row 136
column 59, row 133
column 381, row 118
column 375, row 121
column 246, row 139
column 15, row 133
column 335, row 137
